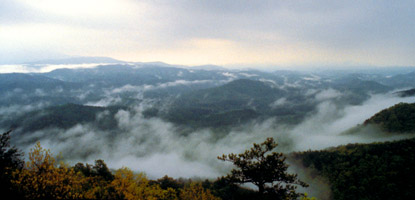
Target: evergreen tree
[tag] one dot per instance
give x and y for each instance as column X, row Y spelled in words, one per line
column 265, row 169
column 10, row 160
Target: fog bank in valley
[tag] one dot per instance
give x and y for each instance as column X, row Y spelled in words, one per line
column 157, row 147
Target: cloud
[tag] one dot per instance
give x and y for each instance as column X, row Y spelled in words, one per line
column 324, row 128
column 227, row 33
column 146, row 144
column 20, row 109
column 111, row 96
column 141, row 88
column 328, row 94
column 158, row 147
column 312, row 77
column 23, row 68
column 342, row 27
column 40, row 92
column 273, row 83
column 16, row 69
column 278, row 102
column 228, row 74
column 104, row 102
column 248, row 75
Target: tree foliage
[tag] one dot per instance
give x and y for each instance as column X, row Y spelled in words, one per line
column 399, row 118
column 10, row 159
column 266, row 169
column 41, row 178
column 136, row 186
column 366, row 171
column 195, row 191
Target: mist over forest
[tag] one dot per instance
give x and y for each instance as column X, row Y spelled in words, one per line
column 207, row 100
column 172, row 120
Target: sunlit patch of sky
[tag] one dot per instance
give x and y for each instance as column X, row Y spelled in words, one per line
column 229, row 33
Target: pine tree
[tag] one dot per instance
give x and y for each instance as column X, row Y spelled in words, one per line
column 265, row 169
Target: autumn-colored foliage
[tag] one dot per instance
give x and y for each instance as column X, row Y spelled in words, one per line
column 43, row 178
column 136, row 187
column 195, row 191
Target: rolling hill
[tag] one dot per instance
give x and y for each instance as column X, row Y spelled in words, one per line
column 399, row 118
column 233, row 103
column 365, row 171
column 66, row 116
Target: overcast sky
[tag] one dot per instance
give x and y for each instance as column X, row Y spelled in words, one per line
column 221, row 32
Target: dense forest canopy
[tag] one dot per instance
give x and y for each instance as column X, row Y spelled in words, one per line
column 366, row 171
column 399, row 118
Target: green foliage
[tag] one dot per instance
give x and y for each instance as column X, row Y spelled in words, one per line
column 233, row 103
column 66, row 116
column 222, row 188
column 371, row 171
column 406, row 93
column 10, row 160
column 168, row 182
column 100, row 169
column 265, row 169
column 27, row 82
column 227, row 190
column 399, row 118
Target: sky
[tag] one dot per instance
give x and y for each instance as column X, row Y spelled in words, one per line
column 227, row 33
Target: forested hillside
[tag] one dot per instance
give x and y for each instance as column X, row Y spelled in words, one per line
column 366, row 171
column 399, row 118
column 233, row 103
column 66, row 116
column 406, row 93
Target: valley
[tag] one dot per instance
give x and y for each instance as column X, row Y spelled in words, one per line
column 179, row 119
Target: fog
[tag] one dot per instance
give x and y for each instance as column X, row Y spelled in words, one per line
column 157, row 147
column 324, row 129
column 43, row 68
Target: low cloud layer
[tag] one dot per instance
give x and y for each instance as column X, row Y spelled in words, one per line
column 157, row 147
column 42, row 68
column 324, row 128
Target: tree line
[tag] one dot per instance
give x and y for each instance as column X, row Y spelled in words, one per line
column 43, row 177
column 366, row 171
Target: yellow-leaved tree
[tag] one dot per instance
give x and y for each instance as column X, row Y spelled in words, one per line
column 195, row 191
column 136, row 186
column 42, row 178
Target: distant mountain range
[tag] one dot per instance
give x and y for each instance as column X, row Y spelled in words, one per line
column 146, row 111
column 196, row 97
column 77, row 60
